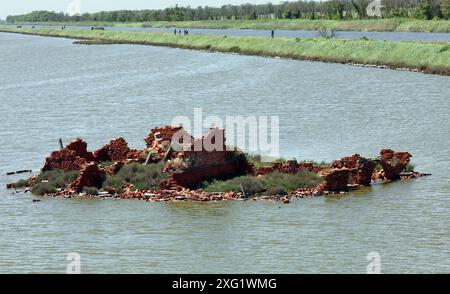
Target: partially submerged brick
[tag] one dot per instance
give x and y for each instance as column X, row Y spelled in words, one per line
column 336, row 180
column 393, row 163
column 361, row 168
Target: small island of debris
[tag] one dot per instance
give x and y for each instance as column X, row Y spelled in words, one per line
column 168, row 170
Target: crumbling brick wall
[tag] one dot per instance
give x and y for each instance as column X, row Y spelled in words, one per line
column 80, row 148
column 393, row 163
column 165, row 134
column 336, row 180
column 204, row 163
column 90, row 176
column 207, row 151
column 361, row 168
column 195, row 176
column 115, row 150
column 72, row 157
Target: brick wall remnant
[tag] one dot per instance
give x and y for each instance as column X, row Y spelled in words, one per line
column 164, row 134
column 205, row 158
column 90, row 176
column 72, row 157
column 336, row 180
column 393, row 163
column 115, row 150
column 80, row 148
column 361, row 168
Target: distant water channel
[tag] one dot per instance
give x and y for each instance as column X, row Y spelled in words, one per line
column 392, row 36
column 50, row 89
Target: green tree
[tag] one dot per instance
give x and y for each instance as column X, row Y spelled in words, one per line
column 335, row 9
column 445, row 9
column 424, row 10
column 360, row 8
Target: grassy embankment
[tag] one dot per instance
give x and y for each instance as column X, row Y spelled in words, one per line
column 399, row 25
column 427, row 57
column 389, row 24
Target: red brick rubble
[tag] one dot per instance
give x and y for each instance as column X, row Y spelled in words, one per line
column 393, row 163
column 206, row 158
column 90, row 176
column 291, row 166
column 115, row 150
column 361, row 168
column 194, row 161
column 336, row 180
column 72, row 157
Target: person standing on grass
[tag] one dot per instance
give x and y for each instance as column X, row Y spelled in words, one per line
column 175, row 32
column 272, row 34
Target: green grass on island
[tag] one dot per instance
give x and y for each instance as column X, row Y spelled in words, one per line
column 430, row 57
column 275, row 183
column 149, row 177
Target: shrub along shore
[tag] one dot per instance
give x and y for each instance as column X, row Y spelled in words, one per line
column 364, row 25
column 409, row 55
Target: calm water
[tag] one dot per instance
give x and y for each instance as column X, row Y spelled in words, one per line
column 50, row 88
column 393, row 36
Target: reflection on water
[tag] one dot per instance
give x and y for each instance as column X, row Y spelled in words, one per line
column 51, row 89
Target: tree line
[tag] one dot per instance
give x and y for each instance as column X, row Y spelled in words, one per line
column 333, row 9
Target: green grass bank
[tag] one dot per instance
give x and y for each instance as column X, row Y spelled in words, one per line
column 426, row 57
column 367, row 25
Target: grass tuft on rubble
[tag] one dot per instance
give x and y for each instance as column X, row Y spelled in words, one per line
column 290, row 182
column 429, row 57
column 142, row 177
column 50, row 181
column 275, row 183
column 249, row 184
column 257, row 160
column 410, row 167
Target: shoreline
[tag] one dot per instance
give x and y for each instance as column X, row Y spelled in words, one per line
column 429, row 58
column 366, row 25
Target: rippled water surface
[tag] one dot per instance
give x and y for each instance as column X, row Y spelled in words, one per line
column 51, row 89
